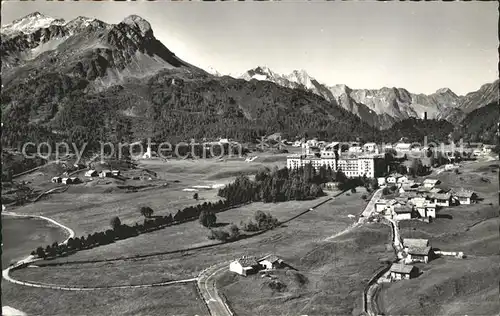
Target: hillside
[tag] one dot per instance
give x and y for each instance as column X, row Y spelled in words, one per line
column 383, row 107
column 480, row 125
column 85, row 80
column 416, row 129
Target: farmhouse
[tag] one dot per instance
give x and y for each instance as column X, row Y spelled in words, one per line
column 402, row 179
column 381, row 181
column 91, row 173
column 426, row 209
column 380, row 205
column 394, row 178
column 403, row 212
column 430, row 183
column 464, row 196
column 419, row 254
column 244, row 266
column 401, row 271
column 105, row 173
column 271, row 262
column 56, row 180
column 441, row 199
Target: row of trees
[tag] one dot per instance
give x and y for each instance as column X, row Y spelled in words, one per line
column 120, row 231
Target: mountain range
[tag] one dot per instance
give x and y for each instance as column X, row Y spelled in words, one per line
column 382, row 107
column 85, row 78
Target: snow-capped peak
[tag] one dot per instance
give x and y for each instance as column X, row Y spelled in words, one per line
column 301, row 77
column 30, row 23
column 444, row 90
column 138, row 22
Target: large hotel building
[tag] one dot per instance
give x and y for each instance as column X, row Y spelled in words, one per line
column 369, row 165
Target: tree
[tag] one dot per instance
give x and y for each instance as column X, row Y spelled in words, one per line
column 40, row 252
column 234, row 232
column 195, row 196
column 115, row 223
column 146, row 211
column 207, row 218
column 416, row 165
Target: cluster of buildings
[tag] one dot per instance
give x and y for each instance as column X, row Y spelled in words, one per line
column 66, row 180
column 419, row 200
column 103, row 174
column 250, row 265
column 353, row 164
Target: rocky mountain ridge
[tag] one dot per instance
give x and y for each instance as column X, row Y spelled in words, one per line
column 382, row 107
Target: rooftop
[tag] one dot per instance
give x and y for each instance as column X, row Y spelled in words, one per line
column 464, row 193
column 421, row 251
column 401, row 268
column 441, row 196
column 247, row 261
column 402, row 209
column 419, row 242
column 431, row 181
column 271, row 258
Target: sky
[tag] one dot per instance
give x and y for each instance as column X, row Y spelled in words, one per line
column 420, row 46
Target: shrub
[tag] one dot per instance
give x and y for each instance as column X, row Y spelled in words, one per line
column 219, row 234
column 353, row 190
column 386, row 191
column 364, row 196
column 146, row 211
column 115, row 223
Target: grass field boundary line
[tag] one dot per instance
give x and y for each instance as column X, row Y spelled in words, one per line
column 186, row 249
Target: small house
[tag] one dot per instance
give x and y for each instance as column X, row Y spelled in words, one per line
column 244, row 266
column 74, row 180
column 464, row 197
column 419, row 254
column 380, row 205
column 430, row 183
column 402, row 179
column 271, row 262
column 105, row 173
column 441, row 199
column 401, row 271
column 66, row 180
column 115, row 172
column 91, row 173
column 430, row 210
column 403, row 212
column 330, row 186
column 56, row 180
column 369, row 147
column 393, row 178
column 381, row 181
